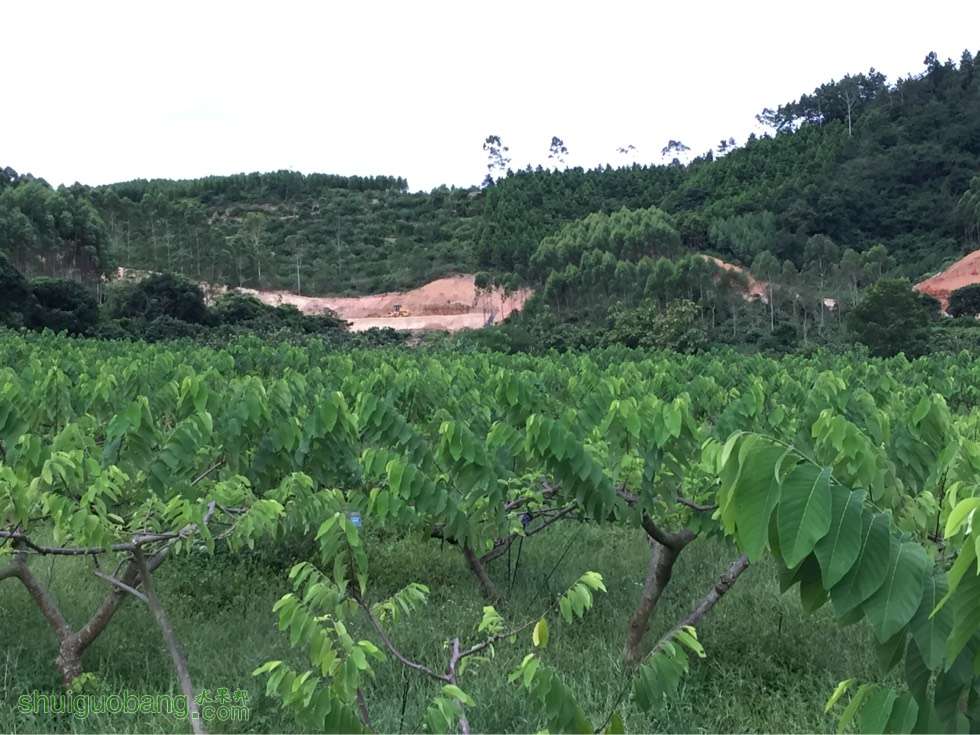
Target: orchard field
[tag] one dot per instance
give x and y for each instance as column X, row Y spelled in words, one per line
column 424, row 540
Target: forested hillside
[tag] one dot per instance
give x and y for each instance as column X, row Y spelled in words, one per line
column 48, row 232
column 880, row 171
column 857, row 160
column 310, row 234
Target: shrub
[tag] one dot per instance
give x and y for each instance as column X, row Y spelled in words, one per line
column 64, row 306
column 17, row 303
column 965, row 301
column 159, row 295
column 891, row 319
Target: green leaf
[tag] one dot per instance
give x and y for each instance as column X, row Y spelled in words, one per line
column 959, row 514
column 965, row 561
column 456, row 693
column 528, row 670
column 916, row 674
column 755, row 494
column 905, row 712
column 891, row 651
column 896, row 601
column 803, row 513
column 838, row 551
column 615, row 726
column 565, row 608
column 877, row 709
column 930, row 632
column 966, row 616
column 852, row 707
column 838, row 693
column 868, row 573
column 688, row 636
column 539, row 636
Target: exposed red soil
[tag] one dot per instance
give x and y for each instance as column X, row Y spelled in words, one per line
column 451, row 304
column 964, row 272
column 756, row 288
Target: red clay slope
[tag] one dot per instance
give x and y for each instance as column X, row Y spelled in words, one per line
column 447, row 303
column 964, row 272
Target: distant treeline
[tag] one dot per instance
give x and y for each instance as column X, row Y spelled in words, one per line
column 859, row 161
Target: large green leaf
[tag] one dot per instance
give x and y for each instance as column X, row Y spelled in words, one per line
column 905, row 710
column 876, row 710
column 755, row 494
column 803, row 514
column 868, row 573
column 930, row 633
column 894, row 604
column 966, row 615
column 839, row 550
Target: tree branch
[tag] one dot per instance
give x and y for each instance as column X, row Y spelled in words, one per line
column 476, row 565
column 724, row 583
column 45, row 603
column 121, row 585
column 180, row 663
column 391, row 646
column 696, row 506
column 501, row 545
column 673, row 541
column 454, row 659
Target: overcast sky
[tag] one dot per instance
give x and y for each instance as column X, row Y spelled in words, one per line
column 103, row 91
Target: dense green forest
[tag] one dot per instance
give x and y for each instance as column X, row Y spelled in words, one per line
column 310, row 234
column 854, row 182
column 889, row 167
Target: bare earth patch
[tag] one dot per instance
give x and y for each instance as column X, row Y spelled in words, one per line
column 964, row 272
column 448, row 304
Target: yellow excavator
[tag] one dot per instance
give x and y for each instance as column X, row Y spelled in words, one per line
column 397, row 311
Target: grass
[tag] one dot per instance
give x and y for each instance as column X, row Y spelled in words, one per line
column 770, row 667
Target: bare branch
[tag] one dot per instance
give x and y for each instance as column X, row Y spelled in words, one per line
column 454, row 659
column 725, row 583
column 121, row 585
column 180, row 663
column 501, row 545
column 500, row 636
column 363, row 709
column 696, row 506
column 139, row 540
column 391, row 646
column 207, row 472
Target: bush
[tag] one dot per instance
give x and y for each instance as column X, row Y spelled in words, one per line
column 17, row 302
column 166, row 328
column 64, row 306
column 891, row 319
column 965, row 301
column 239, row 309
column 234, row 307
column 678, row 327
column 159, row 295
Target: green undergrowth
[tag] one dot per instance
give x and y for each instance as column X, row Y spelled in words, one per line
column 770, row 667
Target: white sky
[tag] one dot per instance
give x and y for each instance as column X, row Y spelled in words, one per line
column 107, row 91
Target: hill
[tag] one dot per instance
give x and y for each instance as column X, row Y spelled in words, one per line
column 858, row 179
column 857, row 160
column 312, row 234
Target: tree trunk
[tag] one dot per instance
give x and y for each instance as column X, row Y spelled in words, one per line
column 772, row 312
column 661, row 568
column 486, row 584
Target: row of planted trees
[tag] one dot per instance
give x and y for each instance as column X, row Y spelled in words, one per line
column 857, row 478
